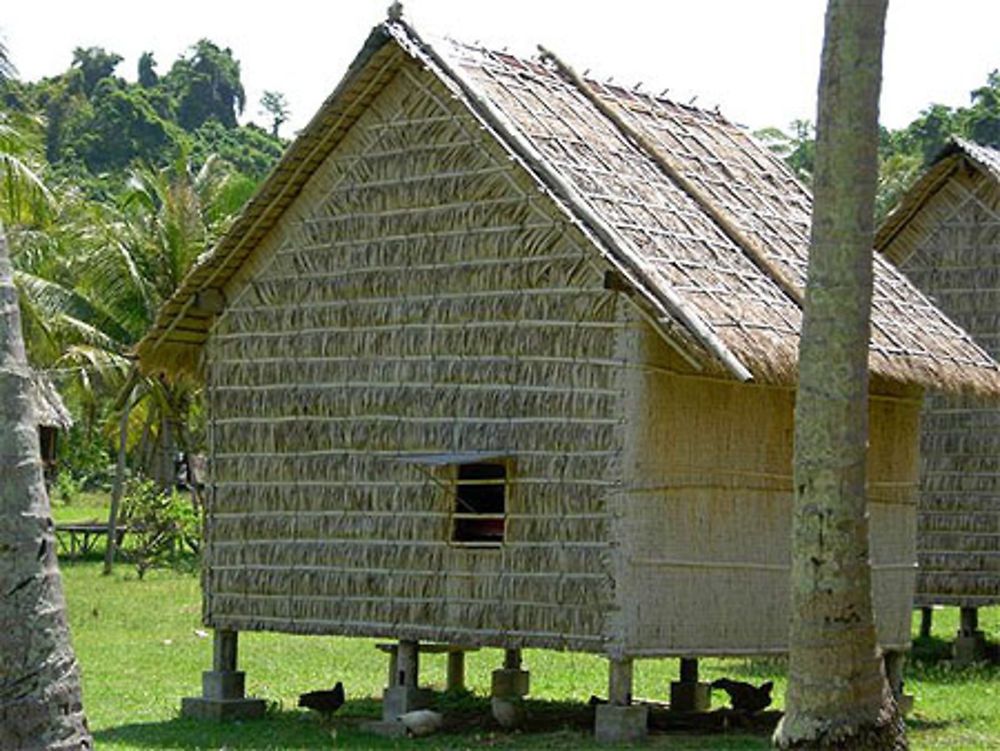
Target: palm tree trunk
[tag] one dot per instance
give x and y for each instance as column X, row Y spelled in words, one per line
column 119, row 486
column 40, row 699
column 837, row 693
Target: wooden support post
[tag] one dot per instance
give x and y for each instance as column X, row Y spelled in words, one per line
column 512, row 659
column 118, row 488
column 926, row 621
column 689, row 694
column 393, row 665
column 407, row 663
column 689, row 670
column 224, row 651
column 456, row 671
column 620, row 682
column 970, row 643
column 968, row 621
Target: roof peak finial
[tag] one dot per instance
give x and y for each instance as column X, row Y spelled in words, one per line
column 396, row 11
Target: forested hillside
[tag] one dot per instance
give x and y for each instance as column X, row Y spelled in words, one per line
column 111, row 188
column 906, row 152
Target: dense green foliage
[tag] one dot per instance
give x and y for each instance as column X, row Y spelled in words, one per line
column 109, row 192
column 96, row 122
column 162, row 525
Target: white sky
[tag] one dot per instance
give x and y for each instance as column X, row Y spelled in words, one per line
column 756, row 59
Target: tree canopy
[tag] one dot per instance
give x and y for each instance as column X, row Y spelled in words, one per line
column 207, row 86
column 905, row 152
column 98, row 125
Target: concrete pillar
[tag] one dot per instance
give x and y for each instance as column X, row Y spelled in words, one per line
column 620, row 682
column 926, row 621
column 970, row 643
column 510, row 680
column 223, row 688
column 407, row 663
column 225, row 646
column 619, row 721
column 393, row 666
column 689, row 694
column 403, row 693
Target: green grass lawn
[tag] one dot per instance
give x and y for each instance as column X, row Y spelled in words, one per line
column 142, row 647
column 85, row 506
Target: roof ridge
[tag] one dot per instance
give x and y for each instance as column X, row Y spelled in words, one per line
column 746, row 244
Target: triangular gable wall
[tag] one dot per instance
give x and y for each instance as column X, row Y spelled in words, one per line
column 421, row 296
column 949, row 246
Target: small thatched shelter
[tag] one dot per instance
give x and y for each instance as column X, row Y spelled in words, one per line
column 945, row 236
column 52, row 418
column 499, row 356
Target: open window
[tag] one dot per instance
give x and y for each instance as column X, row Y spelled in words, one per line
column 477, row 484
column 479, row 515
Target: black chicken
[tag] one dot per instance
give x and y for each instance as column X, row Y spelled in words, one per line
column 745, row 697
column 324, row 702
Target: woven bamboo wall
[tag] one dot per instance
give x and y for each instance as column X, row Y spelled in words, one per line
column 951, row 249
column 708, row 512
column 419, row 297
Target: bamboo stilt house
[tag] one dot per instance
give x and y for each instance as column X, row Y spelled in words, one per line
column 945, row 236
column 502, row 356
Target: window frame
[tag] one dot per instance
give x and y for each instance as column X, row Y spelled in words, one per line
column 456, row 516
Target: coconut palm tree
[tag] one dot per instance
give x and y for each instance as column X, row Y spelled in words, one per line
column 40, row 698
column 164, row 221
column 7, row 69
column 837, row 693
column 96, row 300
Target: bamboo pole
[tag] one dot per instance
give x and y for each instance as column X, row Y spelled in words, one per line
column 117, row 490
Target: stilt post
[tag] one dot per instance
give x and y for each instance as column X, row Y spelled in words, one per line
column 970, row 643
column 510, row 680
column 689, row 694
column 620, row 721
column 926, row 621
column 223, row 687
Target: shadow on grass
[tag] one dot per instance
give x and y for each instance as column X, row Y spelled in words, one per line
column 922, row 723
column 468, row 724
column 467, row 719
column 184, row 562
column 277, row 729
column 931, row 660
column 930, row 650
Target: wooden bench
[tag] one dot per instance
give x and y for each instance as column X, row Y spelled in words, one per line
column 80, row 538
column 456, row 660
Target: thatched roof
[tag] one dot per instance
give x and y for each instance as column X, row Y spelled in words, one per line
column 50, row 411
column 957, row 154
column 708, row 228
